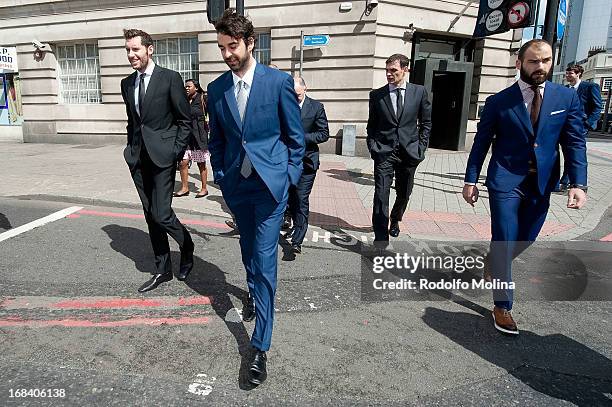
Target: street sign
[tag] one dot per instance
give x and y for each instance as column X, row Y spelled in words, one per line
column 8, row 59
column 318, row 40
column 562, row 16
column 517, row 13
column 499, row 16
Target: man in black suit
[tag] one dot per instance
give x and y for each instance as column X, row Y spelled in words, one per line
column 158, row 130
column 398, row 128
column 316, row 131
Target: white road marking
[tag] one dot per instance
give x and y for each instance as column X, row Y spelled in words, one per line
column 202, row 385
column 39, row 222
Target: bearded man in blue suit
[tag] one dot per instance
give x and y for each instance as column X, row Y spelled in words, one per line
column 256, row 145
column 524, row 125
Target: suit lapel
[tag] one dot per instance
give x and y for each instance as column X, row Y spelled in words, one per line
column 151, row 89
column 548, row 103
column 518, row 107
column 306, row 107
column 581, row 88
column 412, row 91
column 130, row 94
column 387, row 99
column 230, row 99
column 258, row 79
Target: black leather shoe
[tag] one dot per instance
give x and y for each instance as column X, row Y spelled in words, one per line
column 257, row 371
column 186, row 264
column 296, row 248
column 248, row 311
column 156, row 280
column 394, row 230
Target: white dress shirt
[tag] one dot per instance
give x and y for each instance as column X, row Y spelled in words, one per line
column 528, row 93
column 247, row 79
column 393, row 94
column 148, row 72
column 577, row 84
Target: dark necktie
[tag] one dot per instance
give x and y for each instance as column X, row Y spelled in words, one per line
column 141, row 93
column 399, row 103
column 535, row 106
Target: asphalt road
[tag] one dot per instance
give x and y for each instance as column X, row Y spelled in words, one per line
column 71, row 319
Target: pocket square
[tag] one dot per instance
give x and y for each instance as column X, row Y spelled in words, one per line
column 557, row 112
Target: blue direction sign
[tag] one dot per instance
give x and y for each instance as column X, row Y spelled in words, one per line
column 562, row 16
column 319, row 40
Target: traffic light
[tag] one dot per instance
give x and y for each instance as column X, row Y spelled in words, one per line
column 215, row 9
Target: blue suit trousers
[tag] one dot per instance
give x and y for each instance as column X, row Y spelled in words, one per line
column 259, row 217
column 516, row 220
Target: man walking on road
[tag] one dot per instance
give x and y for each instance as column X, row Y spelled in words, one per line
column 398, row 129
column 158, row 130
column 256, row 145
column 525, row 124
column 316, row 131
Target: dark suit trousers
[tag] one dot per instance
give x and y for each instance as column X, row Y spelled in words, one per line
column 516, row 220
column 259, row 219
column 299, row 206
column 403, row 167
column 155, row 186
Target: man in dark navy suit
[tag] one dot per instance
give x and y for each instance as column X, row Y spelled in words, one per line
column 590, row 99
column 316, row 131
column 256, row 145
column 158, row 129
column 524, row 125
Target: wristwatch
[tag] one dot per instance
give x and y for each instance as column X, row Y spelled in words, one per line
column 579, row 186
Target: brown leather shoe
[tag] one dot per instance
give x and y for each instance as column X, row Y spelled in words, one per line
column 503, row 321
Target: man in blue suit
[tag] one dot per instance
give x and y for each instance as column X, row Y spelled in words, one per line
column 256, row 145
column 590, row 99
column 525, row 124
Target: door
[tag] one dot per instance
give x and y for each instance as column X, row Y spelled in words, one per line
column 447, row 108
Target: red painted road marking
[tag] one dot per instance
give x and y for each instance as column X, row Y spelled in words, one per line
column 102, row 302
column 206, row 223
column 81, row 323
column 606, row 238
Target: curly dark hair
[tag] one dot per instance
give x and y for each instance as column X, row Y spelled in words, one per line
column 145, row 38
column 236, row 26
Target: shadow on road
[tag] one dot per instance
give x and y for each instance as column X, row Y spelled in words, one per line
column 4, row 222
column 206, row 279
column 555, row 365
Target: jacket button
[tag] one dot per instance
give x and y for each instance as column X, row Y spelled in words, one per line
column 244, row 142
column 535, row 145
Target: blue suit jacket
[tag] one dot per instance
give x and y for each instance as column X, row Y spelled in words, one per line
column 590, row 97
column 505, row 125
column 271, row 134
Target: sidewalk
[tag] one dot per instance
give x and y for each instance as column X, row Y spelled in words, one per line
column 341, row 198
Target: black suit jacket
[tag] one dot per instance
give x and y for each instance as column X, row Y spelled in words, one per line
column 166, row 123
column 411, row 130
column 316, row 131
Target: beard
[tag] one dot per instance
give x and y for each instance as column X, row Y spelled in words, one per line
column 236, row 64
column 535, row 78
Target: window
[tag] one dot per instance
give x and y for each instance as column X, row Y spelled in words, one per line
column 262, row 52
column 607, row 84
column 79, row 73
column 178, row 54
